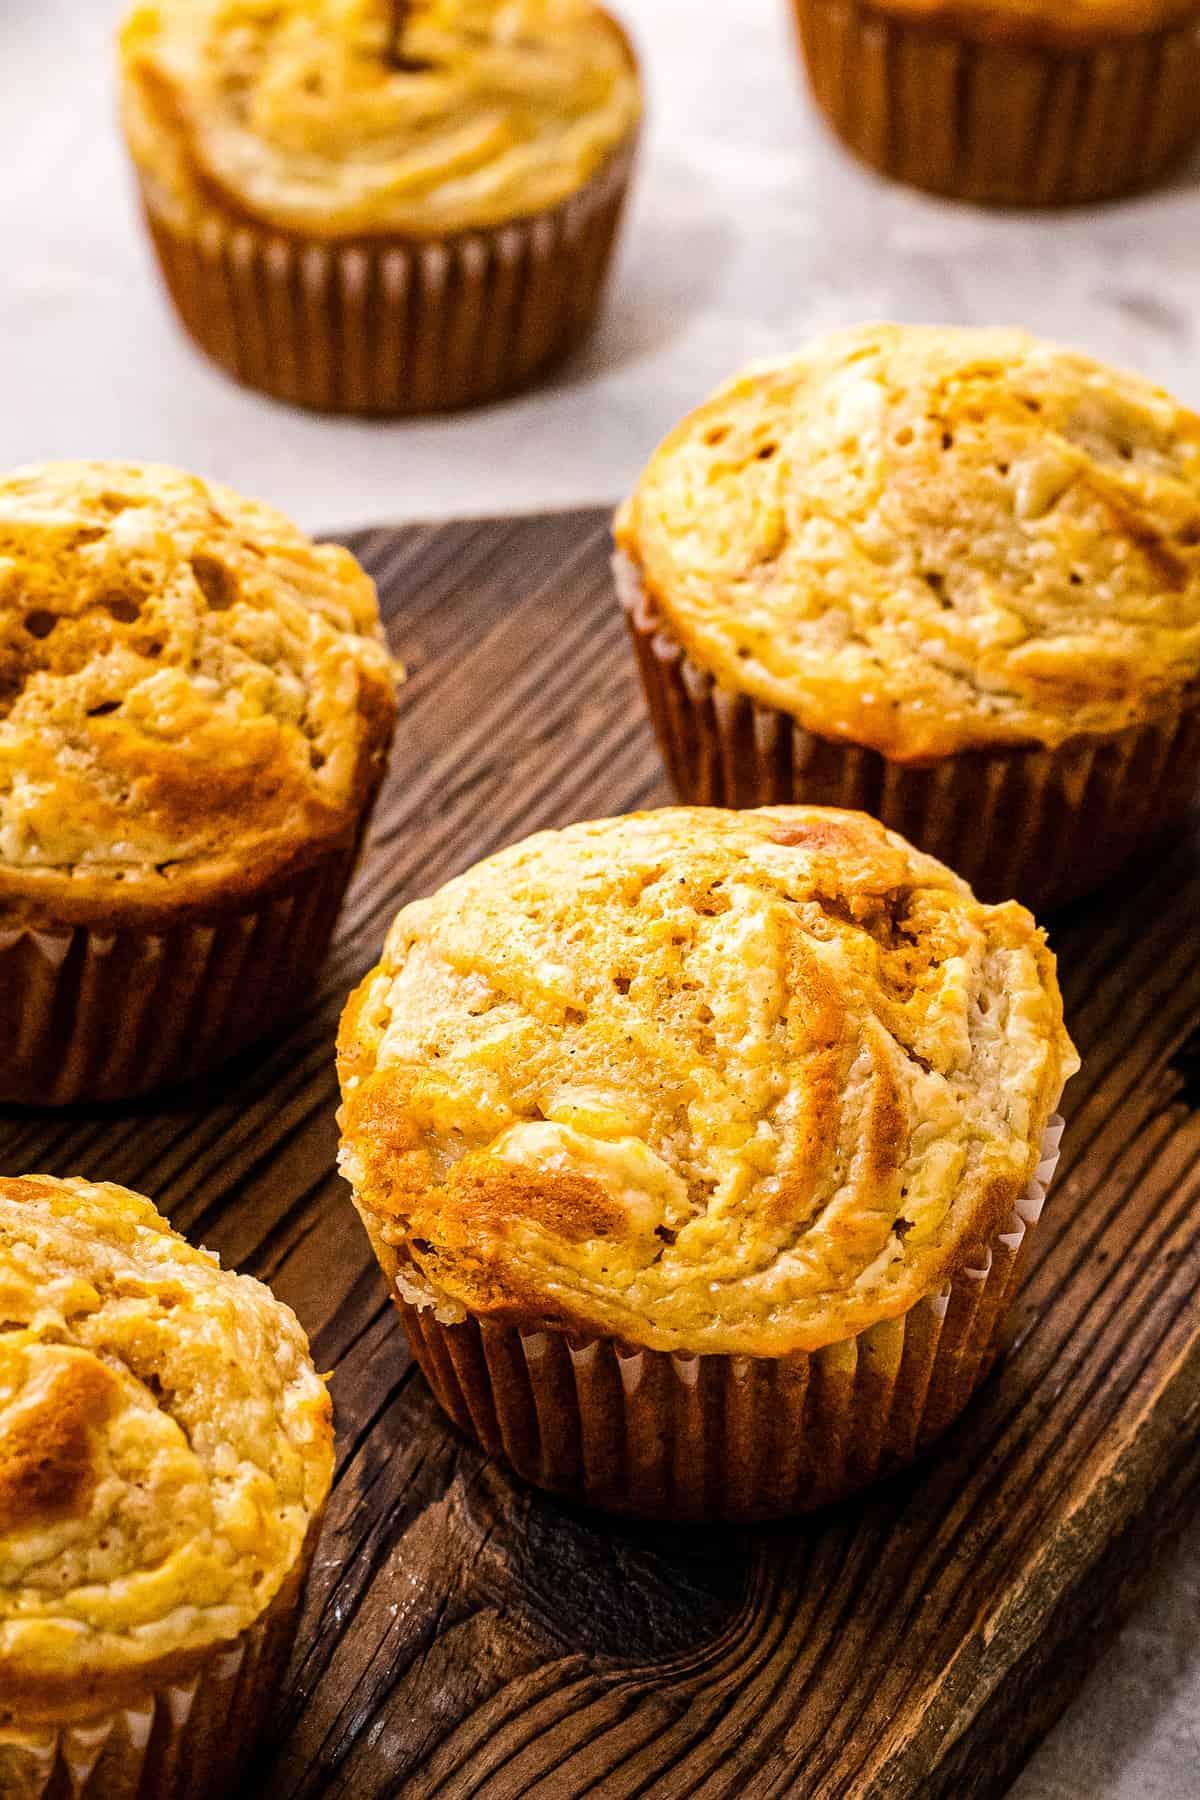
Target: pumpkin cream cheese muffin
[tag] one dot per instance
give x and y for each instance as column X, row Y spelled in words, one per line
column 950, row 575
column 165, row 1457
column 698, row 1105
column 1009, row 102
column 329, row 143
column 195, row 709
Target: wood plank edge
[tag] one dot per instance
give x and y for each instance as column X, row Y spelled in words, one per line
column 1143, row 1490
column 987, row 1758
column 355, row 536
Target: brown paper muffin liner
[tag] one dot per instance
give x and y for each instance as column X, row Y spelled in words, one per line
column 96, row 1015
column 679, row 1436
column 391, row 326
column 1003, row 122
column 1043, row 826
column 187, row 1740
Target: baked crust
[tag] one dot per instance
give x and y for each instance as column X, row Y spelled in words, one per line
column 699, row 1080
column 926, row 540
column 297, row 116
column 195, row 700
column 165, row 1449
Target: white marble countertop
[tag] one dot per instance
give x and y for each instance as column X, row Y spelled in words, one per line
column 750, row 231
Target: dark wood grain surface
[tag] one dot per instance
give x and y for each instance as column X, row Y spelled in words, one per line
column 464, row 1637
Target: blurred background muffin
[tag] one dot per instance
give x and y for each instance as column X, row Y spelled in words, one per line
column 165, row 1456
column 950, row 576
column 699, row 1150
column 1009, row 102
column 195, row 711
column 371, row 207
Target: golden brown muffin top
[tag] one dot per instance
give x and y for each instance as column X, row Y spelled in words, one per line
column 701, row 1080
column 299, row 113
column 192, row 694
column 165, row 1445
column 926, row 540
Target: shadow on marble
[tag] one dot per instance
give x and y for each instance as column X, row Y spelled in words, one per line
column 1185, row 178
column 673, row 264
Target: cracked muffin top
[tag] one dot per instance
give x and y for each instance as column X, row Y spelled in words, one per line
column 928, row 540
column 310, row 116
column 165, row 1446
column 193, row 696
column 701, row 1080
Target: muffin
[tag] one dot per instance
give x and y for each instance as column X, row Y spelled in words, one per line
column 700, row 1150
column 368, row 207
column 951, row 577
column 195, row 711
column 1007, row 103
column 165, row 1455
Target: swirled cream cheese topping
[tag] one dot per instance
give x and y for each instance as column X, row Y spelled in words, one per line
column 314, row 117
column 742, row 1082
column 928, row 540
column 188, row 684
column 165, row 1444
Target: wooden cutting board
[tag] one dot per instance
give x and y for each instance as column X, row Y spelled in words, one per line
column 467, row 1637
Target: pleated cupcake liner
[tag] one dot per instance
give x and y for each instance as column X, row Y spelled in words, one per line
column 1003, row 121
column 1046, row 826
column 185, row 1740
column 391, row 327
column 691, row 1437
column 96, row 1015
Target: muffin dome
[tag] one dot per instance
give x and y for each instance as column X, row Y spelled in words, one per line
column 165, row 1446
column 927, row 540
column 300, row 115
column 699, row 1080
column 193, row 696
